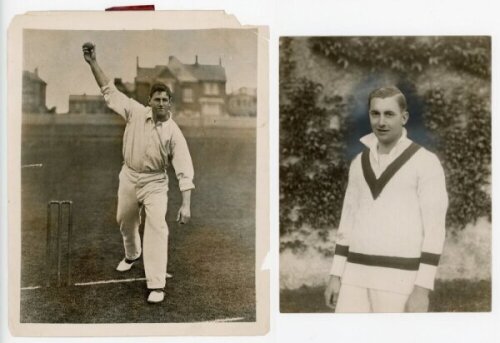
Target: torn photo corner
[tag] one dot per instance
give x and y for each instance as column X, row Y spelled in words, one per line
column 108, row 111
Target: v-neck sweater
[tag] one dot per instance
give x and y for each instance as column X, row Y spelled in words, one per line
column 392, row 241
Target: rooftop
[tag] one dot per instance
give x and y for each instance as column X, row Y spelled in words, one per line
column 33, row 76
column 183, row 72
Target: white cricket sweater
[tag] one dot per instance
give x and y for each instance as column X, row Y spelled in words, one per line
column 391, row 235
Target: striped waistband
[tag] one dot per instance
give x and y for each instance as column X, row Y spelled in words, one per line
column 404, row 263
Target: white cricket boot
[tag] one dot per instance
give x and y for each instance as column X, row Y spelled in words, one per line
column 156, row 296
column 126, row 264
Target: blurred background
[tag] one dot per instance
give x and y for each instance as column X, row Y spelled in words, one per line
column 324, row 87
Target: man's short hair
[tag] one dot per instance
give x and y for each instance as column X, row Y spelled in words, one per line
column 388, row 92
column 160, row 87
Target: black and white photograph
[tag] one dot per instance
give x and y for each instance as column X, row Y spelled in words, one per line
column 138, row 177
column 249, row 171
column 385, row 174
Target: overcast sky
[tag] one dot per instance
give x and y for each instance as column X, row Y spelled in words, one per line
column 58, row 56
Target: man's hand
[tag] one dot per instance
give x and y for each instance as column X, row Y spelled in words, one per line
column 184, row 214
column 89, row 52
column 332, row 291
column 90, row 57
column 418, row 300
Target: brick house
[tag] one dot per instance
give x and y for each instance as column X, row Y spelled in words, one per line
column 198, row 89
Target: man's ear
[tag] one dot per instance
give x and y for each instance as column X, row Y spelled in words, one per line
column 406, row 116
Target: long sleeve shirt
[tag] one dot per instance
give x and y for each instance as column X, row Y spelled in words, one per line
column 148, row 146
column 392, row 227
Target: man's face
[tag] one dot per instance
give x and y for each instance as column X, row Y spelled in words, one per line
column 387, row 119
column 160, row 104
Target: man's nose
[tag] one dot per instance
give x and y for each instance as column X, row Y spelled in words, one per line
column 381, row 120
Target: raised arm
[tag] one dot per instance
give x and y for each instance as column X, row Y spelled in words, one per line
column 115, row 100
column 90, row 57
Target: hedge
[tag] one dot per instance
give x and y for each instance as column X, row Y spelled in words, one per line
column 314, row 125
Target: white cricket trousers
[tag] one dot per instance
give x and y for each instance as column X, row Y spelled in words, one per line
column 354, row 299
column 150, row 190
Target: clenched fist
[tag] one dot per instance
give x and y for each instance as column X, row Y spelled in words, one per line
column 89, row 52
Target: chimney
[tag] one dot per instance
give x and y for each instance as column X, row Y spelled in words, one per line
column 220, row 61
column 137, row 62
column 170, row 58
column 196, row 60
column 36, row 71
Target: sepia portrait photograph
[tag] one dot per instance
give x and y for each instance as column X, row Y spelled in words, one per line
column 385, row 174
column 138, row 175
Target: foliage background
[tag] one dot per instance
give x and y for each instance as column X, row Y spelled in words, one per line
column 324, row 84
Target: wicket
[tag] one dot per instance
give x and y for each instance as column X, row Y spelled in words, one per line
column 60, row 206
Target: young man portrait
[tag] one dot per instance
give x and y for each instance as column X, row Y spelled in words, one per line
column 392, row 227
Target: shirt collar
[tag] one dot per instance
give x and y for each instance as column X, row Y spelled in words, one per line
column 371, row 141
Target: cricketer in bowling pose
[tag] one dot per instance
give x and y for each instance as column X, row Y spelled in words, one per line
column 151, row 139
column 392, row 227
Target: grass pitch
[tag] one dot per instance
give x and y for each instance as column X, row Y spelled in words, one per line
column 212, row 258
